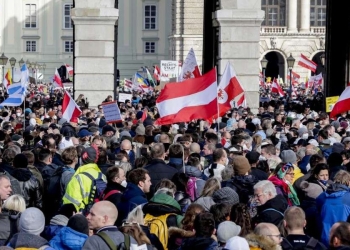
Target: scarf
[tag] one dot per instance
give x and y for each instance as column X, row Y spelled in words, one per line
column 287, row 189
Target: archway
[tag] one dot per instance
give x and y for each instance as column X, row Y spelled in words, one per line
column 275, row 65
column 320, row 67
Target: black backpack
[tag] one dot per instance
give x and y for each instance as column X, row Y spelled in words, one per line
column 98, row 186
column 310, row 245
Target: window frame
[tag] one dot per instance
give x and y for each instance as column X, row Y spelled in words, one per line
column 150, row 48
column 71, row 46
column 315, row 21
column 150, row 17
column 64, row 16
column 278, row 17
column 30, row 16
column 32, row 42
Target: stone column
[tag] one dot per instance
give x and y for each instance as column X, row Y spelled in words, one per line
column 292, row 16
column 94, row 22
column 239, row 36
column 305, row 16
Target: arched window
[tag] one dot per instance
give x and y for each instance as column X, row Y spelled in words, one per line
column 275, row 12
column 318, row 12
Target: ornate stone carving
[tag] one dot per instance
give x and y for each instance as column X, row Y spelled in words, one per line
column 273, row 42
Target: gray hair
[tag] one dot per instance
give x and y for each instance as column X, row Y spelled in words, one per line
column 267, row 187
column 126, row 166
column 136, row 216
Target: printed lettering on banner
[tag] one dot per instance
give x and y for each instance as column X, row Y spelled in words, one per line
column 111, row 112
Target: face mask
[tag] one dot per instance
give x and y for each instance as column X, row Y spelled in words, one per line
column 18, row 114
column 124, row 183
column 305, row 136
column 227, row 161
column 324, row 182
column 262, row 158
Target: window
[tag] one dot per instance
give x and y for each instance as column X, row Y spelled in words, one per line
column 150, row 47
column 150, row 17
column 68, row 24
column 318, row 12
column 30, row 18
column 275, row 12
column 68, row 46
column 30, row 46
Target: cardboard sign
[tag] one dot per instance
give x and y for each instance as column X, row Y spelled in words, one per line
column 124, row 96
column 330, row 101
column 111, row 112
column 169, row 69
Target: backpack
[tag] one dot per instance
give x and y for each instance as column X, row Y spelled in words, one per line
column 191, row 188
column 310, row 245
column 158, row 226
column 110, row 242
column 98, row 186
column 53, row 186
column 104, row 196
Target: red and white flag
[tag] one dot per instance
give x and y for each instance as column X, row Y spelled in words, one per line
column 276, row 88
column 57, row 79
column 156, row 73
column 70, row 109
column 190, row 67
column 229, row 89
column 307, row 63
column 261, row 80
column 343, row 103
column 128, row 83
column 69, row 69
column 295, row 78
column 188, row 100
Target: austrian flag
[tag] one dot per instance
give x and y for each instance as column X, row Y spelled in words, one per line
column 307, row 63
column 195, row 98
column 70, row 109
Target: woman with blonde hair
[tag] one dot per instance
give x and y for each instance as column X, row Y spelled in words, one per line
column 134, row 226
column 257, row 140
column 9, row 217
column 205, row 200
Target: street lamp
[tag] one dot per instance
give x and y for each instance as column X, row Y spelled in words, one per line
column 323, row 59
column 3, row 62
column 264, row 63
column 21, row 62
column 13, row 63
column 290, row 62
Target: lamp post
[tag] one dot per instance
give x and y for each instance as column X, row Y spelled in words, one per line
column 20, row 63
column 13, row 63
column 3, row 62
column 264, row 63
column 290, row 62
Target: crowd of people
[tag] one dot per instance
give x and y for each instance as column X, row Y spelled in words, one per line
column 277, row 179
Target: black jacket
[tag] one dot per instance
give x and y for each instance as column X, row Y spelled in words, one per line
column 274, row 215
column 30, row 187
column 243, row 185
column 159, row 170
column 68, row 130
column 114, row 198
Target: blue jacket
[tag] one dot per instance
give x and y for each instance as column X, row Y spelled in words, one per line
column 303, row 163
column 334, row 206
column 68, row 239
column 132, row 197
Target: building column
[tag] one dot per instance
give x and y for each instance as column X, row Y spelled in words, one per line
column 94, row 22
column 305, row 16
column 292, row 16
column 239, row 24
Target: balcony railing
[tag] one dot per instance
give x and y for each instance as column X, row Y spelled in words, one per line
column 282, row 30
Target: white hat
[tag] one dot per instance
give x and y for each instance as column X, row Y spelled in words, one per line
column 256, row 121
column 237, row 243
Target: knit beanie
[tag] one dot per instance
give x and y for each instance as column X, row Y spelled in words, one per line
column 32, row 221
column 79, row 223
column 20, row 161
column 337, row 147
column 311, row 189
column 288, row 156
column 205, row 202
column 241, row 165
column 226, row 195
column 227, row 230
column 140, row 130
column 89, row 155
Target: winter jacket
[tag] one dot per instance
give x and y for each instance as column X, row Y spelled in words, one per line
column 22, row 239
column 66, row 176
column 199, row 243
column 68, row 239
column 132, row 197
column 8, row 225
column 68, row 130
column 37, row 174
column 159, row 170
column 95, row 242
column 243, row 185
column 114, row 198
column 304, row 164
column 79, row 187
column 274, row 215
column 30, row 186
column 195, row 172
column 259, row 242
column 5, row 168
column 334, row 206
